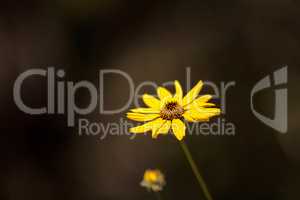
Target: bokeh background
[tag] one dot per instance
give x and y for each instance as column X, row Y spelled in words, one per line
column 233, row 40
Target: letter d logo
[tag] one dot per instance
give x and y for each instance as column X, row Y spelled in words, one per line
column 279, row 122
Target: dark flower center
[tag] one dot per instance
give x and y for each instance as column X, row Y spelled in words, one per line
column 171, row 110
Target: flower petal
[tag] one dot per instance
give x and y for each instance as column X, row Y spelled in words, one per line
column 151, row 101
column 164, row 129
column 201, row 114
column 178, row 91
column 178, row 128
column 143, row 128
column 194, row 116
column 141, row 117
column 200, row 102
column 157, row 125
column 188, row 117
column 192, row 94
column 208, row 104
column 209, row 111
column 203, row 99
column 195, row 106
column 163, row 93
column 145, row 110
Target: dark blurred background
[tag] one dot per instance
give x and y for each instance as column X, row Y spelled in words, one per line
column 233, row 40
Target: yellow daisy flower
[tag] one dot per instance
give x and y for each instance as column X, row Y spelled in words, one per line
column 169, row 110
column 153, row 180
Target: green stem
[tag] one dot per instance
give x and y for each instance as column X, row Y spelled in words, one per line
column 158, row 196
column 195, row 169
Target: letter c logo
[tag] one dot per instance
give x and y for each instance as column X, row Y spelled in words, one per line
column 279, row 122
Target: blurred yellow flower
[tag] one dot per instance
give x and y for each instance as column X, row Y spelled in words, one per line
column 153, row 180
column 168, row 111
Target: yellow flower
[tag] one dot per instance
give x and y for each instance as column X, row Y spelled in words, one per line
column 168, row 111
column 153, row 180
